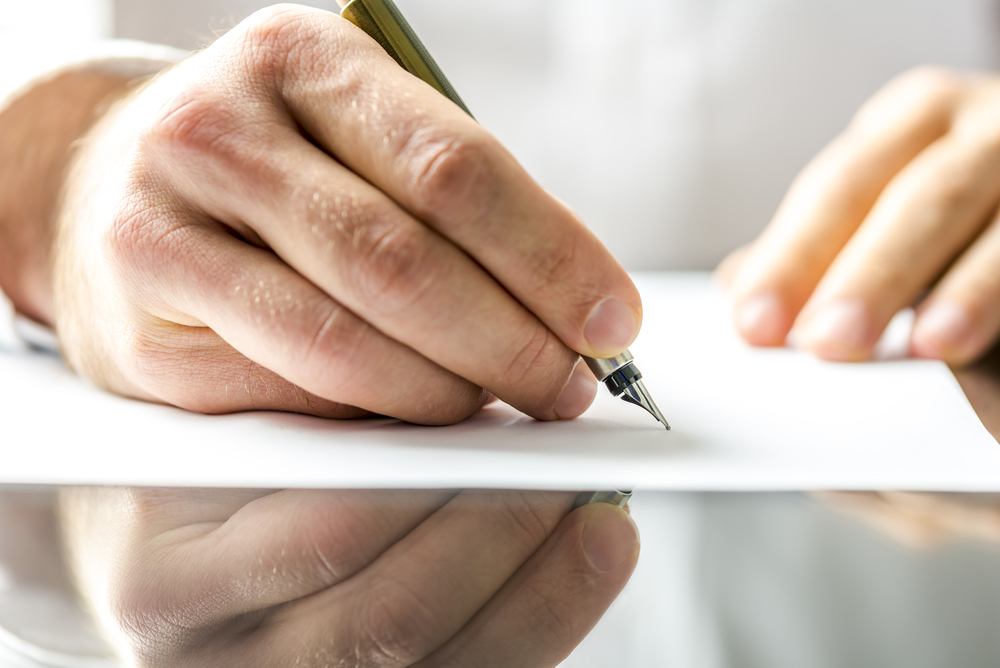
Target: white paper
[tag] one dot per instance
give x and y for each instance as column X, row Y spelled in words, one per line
column 742, row 418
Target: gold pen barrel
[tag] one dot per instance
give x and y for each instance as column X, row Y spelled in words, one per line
column 386, row 25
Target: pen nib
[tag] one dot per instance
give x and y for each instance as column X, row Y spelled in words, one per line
column 637, row 394
column 623, row 379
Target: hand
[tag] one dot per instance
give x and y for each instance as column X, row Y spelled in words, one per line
column 351, row 578
column 901, row 205
column 922, row 520
column 288, row 220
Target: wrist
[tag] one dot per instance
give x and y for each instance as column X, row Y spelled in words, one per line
column 38, row 131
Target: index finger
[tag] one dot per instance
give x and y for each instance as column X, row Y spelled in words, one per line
column 435, row 161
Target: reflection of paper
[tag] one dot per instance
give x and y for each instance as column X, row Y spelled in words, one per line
column 743, row 419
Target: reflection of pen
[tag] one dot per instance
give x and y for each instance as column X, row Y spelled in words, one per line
column 383, row 21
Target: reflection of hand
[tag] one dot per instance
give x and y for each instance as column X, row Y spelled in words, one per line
column 289, row 220
column 905, row 200
column 926, row 519
column 922, row 520
column 362, row 578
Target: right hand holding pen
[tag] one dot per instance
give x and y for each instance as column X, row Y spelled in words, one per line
column 289, row 221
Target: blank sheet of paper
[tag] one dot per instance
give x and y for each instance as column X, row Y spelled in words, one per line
column 743, row 419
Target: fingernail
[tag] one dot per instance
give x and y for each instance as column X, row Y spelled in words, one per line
column 611, row 327
column 840, row 331
column 762, row 320
column 578, row 394
column 942, row 330
column 610, row 537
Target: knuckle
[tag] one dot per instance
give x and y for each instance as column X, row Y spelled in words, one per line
column 928, row 80
column 317, row 46
column 130, row 232
column 977, row 128
column 275, row 38
column 270, row 34
column 392, row 264
column 195, row 121
column 169, row 363
column 333, row 364
column 272, row 21
column 153, row 620
column 163, row 370
column 539, row 351
column 149, row 355
column 395, row 626
column 925, row 86
column 527, row 517
column 951, row 192
column 158, row 368
column 142, row 236
column 449, row 170
column 925, row 90
column 151, row 628
column 333, row 344
column 336, row 546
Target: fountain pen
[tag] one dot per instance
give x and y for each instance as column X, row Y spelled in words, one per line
column 384, row 23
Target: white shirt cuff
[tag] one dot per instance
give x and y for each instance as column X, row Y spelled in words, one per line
column 26, row 65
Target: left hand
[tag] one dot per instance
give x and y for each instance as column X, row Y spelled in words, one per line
column 902, row 203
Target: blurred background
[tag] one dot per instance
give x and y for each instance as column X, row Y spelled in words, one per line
column 682, row 122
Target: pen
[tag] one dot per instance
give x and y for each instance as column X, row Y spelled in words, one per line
column 384, row 23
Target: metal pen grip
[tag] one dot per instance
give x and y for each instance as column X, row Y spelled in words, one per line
column 603, row 368
column 614, row 497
